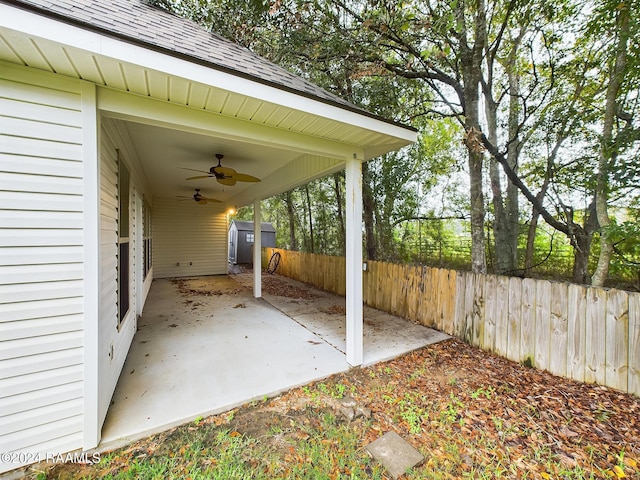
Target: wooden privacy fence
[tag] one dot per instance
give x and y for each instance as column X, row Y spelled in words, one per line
column 584, row 333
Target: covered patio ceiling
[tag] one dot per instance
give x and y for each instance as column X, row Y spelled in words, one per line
column 169, row 156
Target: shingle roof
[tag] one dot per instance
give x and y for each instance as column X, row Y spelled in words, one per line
column 138, row 22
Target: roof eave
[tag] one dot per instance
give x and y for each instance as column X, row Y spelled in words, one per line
column 198, row 61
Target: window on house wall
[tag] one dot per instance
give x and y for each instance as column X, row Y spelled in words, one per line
column 123, row 240
column 249, row 238
column 146, row 220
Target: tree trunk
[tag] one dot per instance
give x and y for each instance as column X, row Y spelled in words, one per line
column 368, row 204
column 505, row 203
column 512, row 205
column 471, row 67
column 607, row 149
column 501, row 263
column 292, row 221
column 582, row 237
column 531, row 239
column 581, row 248
column 312, row 240
column 533, row 224
column 338, row 192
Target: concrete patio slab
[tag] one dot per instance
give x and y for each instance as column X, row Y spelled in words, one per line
column 199, row 355
column 205, row 345
column 385, row 336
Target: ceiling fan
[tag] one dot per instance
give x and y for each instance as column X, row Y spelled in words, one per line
column 224, row 175
column 198, row 197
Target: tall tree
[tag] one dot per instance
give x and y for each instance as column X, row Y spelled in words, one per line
column 619, row 16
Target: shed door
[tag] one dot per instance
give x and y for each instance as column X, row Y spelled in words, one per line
column 233, row 245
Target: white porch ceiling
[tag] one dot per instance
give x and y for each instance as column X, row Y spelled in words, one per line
column 165, row 153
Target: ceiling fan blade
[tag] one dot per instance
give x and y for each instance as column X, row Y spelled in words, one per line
column 193, row 170
column 199, row 177
column 230, row 182
column 243, row 177
column 211, row 200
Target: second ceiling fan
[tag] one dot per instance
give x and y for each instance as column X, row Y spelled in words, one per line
column 224, row 175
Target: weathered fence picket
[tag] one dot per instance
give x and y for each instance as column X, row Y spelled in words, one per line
column 528, row 322
column 585, row 333
column 543, row 325
column 501, row 333
column 513, row 318
column 595, row 338
column 576, row 332
column 558, row 333
column 634, row 344
column 617, row 327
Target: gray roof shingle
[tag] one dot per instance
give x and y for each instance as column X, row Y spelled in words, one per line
column 243, row 225
column 138, row 22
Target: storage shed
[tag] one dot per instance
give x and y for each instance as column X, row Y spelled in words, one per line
column 241, row 240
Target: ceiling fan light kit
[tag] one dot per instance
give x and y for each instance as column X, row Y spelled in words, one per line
column 198, row 198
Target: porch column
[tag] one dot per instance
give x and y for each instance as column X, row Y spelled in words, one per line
column 353, row 252
column 257, row 250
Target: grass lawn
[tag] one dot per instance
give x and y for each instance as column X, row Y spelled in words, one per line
column 471, row 414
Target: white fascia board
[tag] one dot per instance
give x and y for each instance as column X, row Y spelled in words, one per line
column 96, row 44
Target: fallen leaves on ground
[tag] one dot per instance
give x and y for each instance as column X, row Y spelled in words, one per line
column 470, row 413
column 275, row 286
column 213, row 286
column 335, row 310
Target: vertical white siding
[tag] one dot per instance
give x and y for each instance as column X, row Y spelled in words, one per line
column 41, row 262
column 189, row 239
column 114, row 342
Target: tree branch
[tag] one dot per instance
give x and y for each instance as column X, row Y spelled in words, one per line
column 515, row 179
column 407, row 219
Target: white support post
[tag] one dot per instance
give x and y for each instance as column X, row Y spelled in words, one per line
column 257, row 250
column 354, row 261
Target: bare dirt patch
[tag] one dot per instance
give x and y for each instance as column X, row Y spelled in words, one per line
column 275, row 286
column 335, row 310
column 208, row 286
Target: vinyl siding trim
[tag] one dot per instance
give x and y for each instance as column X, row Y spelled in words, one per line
column 91, row 423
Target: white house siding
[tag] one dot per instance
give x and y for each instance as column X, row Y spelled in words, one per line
column 41, row 263
column 114, row 341
column 189, row 239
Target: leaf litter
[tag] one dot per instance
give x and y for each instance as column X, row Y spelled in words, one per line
column 470, row 413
